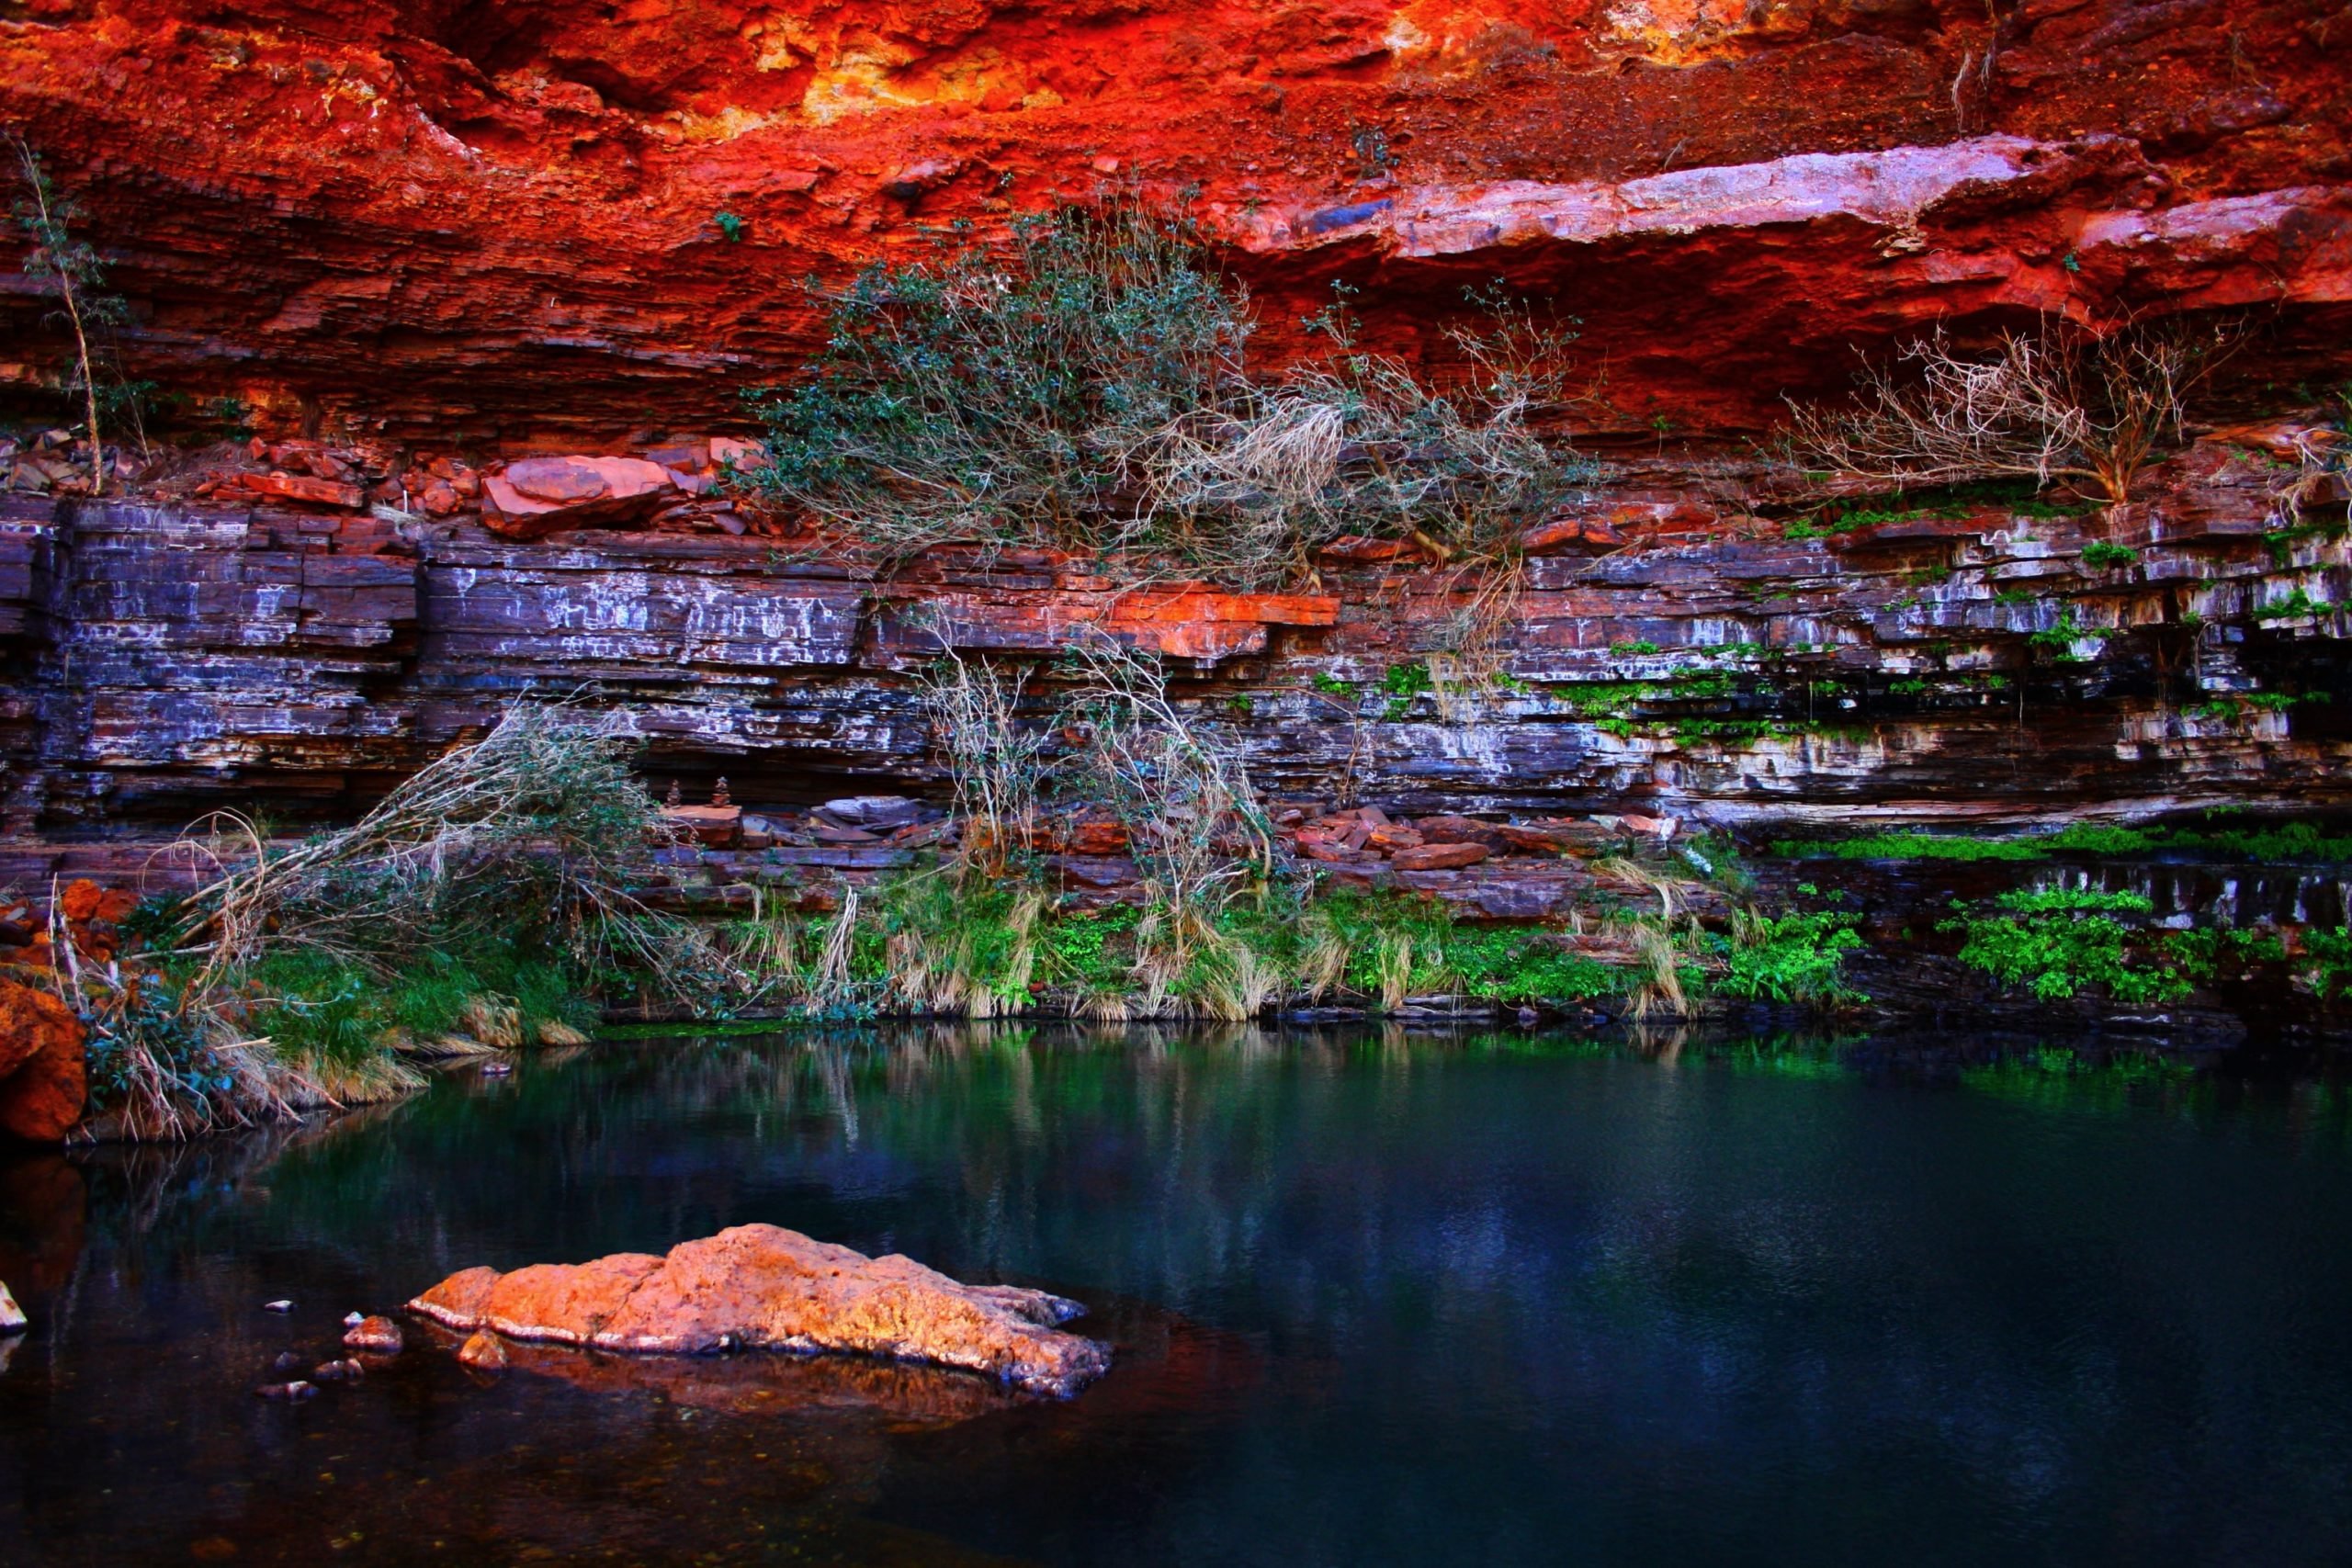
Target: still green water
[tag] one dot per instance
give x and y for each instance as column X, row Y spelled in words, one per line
column 1377, row 1298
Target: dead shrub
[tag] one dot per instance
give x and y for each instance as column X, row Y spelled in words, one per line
column 2057, row 402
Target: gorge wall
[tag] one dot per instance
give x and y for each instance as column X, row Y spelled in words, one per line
column 1962, row 664
column 499, row 223
column 537, row 225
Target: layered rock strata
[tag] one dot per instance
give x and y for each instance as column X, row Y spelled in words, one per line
column 501, row 222
column 1684, row 657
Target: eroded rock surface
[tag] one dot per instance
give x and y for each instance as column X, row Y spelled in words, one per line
column 523, row 221
column 43, row 1079
column 760, row 1287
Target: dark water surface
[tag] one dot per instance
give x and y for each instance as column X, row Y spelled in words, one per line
column 1376, row 1300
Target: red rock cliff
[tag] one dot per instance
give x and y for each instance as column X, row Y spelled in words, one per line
column 500, row 221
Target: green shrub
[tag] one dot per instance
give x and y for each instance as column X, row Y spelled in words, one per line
column 1087, row 388
column 2327, row 962
column 2056, row 941
column 1798, row 956
column 2106, row 557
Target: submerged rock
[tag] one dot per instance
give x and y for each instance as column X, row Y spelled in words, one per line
column 380, row 1335
column 856, row 1388
column 483, row 1351
column 760, row 1287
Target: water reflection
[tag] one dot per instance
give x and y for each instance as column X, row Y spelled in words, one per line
column 1379, row 1296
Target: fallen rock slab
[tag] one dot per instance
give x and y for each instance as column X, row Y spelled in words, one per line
column 1439, row 857
column 537, row 496
column 762, row 1287
column 302, row 488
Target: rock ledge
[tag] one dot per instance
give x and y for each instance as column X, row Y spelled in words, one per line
column 760, row 1287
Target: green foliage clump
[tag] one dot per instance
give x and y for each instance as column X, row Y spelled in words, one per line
column 1092, row 950
column 1797, row 956
column 2058, row 638
column 2327, row 962
column 2057, row 941
column 2281, row 542
column 316, row 1008
column 2106, row 555
column 1397, row 944
column 2281, row 844
column 2080, row 837
column 1402, row 683
column 2278, row 844
column 2295, row 606
column 1086, row 387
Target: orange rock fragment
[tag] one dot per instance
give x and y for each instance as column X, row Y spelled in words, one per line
column 45, row 1080
column 303, row 487
column 1439, row 857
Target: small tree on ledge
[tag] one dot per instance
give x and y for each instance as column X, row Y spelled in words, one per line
column 2058, row 403
column 46, row 216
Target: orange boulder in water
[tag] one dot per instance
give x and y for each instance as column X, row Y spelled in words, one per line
column 760, row 1287
column 42, row 1077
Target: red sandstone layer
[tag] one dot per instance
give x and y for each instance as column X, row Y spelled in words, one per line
column 500, row 221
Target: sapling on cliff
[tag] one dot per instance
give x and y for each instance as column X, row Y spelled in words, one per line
column 46, row 216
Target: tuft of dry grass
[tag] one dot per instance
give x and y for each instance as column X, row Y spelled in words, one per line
column 997, row 764
column 1195, row 825
column 543, row 811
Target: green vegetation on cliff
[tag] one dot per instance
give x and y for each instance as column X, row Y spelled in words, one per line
column 2275, row 843
column 1088, row 387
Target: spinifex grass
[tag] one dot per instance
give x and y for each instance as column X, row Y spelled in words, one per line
column 487, row 893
